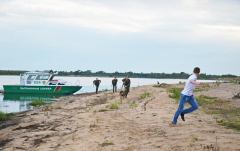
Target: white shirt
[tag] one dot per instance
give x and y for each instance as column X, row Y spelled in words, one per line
column 188, row 89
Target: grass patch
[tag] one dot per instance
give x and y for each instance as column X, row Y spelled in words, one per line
column 175, row 93
column 114, row 106
column 107, row 143
column 5, row 116
column 195, row 138
column 103, row 110
column 37, row 103
column 229, row 114
column 146, row 94
column 198, row 90
column 133, row 104
column 154, row 114
column 218, row 83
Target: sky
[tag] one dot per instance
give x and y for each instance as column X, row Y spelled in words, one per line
column 122, row 35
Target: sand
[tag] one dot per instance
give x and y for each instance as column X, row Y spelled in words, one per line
column 75, row 123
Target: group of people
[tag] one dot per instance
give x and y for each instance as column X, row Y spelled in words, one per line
column 126, row 83
column 186, row 94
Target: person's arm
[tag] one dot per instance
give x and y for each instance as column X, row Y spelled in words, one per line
column 128, row 85
column 197, row 83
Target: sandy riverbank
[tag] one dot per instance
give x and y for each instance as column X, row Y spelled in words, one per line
column 75, row 123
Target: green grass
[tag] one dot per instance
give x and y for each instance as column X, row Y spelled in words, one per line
column 108, row 143
column 195, row 138
column 37, row 103
column 213, row 106
column 146, row 94
column 218, row 83
column 154, row 114
column 133, row 104
column 175, row 93
column 198, row 90
column 114, row 106
column 208, row 97
column 103, row 110
column 5, row 116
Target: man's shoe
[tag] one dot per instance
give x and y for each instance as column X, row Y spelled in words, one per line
column 172, row 125
column 182, row 116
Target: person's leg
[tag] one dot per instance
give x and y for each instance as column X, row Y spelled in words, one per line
column 96, row 88
column 193, row 104
column 113, row 88
column 182, row 102
column 126, row 92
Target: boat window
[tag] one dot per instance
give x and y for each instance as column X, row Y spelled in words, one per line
column 31, row 77
column 29, row 82
column 42, row 77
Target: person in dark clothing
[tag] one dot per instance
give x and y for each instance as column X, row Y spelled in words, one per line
column 126, row 83
column 97, row 83
column 114, row 83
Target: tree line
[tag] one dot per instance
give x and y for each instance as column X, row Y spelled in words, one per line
column 89, row 73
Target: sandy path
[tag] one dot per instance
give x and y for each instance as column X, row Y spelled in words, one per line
column 79, row 125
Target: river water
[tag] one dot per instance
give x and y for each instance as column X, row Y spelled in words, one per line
column 19, row 102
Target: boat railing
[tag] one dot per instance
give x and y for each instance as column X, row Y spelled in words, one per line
column 77, row 82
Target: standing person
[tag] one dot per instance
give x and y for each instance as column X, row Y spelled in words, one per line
column 186, row 96
column 114, row 83
column 126, row 83
column 97, row 83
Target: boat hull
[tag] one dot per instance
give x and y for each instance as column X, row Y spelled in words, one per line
column 18, row 89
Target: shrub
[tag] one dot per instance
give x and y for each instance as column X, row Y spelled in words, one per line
column 114, row 106
column 37, row 103
column 175, row 93
column 218, row 83
column 146, row 94
column 103, row 110
column 5, row 116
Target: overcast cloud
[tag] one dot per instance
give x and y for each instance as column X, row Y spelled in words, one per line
column 127, row 35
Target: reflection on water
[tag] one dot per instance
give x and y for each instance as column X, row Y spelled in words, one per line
column 19, row 102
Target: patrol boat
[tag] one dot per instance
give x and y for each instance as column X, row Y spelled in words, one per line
column 41, row 83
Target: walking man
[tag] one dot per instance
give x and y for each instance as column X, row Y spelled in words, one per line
column 114, row 83
column 97, row 83
column 126, row 83
column 187, row 96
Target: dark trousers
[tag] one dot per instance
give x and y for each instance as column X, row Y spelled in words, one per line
column 97, row 88
column 126, row 91
column 114, row 88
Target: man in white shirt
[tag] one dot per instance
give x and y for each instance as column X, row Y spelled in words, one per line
column 187, row 96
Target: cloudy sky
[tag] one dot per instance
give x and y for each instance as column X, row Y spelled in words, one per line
column 124, row 35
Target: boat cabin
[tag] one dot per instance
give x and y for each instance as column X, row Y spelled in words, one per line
column 40, row 79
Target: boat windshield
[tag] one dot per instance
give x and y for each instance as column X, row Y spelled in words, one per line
column 42, row 77
column 31, row 77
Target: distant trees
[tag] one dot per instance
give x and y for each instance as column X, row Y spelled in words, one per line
column 89, row 73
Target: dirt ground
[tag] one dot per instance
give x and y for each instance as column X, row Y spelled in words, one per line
column 75, row 123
